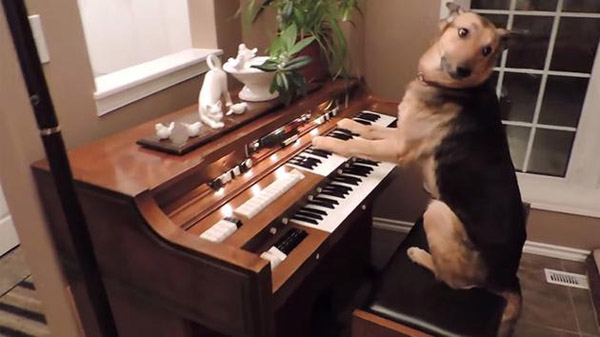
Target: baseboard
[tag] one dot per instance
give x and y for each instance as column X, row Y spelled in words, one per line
column 8, row 235
column 531, row 247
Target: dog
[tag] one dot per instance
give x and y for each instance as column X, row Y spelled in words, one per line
column 450, row 126
column 213, row 89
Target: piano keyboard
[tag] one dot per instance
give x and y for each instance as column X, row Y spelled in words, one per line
column 324, row 163
column 348, row 185
column 347, row 188
column 258, row 202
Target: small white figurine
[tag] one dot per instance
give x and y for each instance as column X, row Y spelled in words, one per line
column 214, row 87
column 243, row 56
column 164, row 132
column 193, row 130
column 237, row 109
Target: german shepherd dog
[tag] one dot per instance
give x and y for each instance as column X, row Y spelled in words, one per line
column 450, row 126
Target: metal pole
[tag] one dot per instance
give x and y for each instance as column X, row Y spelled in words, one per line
column 41, row 102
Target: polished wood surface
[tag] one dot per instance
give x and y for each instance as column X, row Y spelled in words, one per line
column 146, row 210
column 365, row 324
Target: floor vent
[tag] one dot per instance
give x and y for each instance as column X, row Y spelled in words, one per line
column 566, row 279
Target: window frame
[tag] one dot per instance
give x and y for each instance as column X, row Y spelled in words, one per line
column 579, row 191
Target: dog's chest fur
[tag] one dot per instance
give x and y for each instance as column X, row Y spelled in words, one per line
column 425, row 119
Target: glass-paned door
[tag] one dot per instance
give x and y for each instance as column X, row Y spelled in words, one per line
column 542, row 81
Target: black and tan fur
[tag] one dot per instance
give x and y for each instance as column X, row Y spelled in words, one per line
column 449, row 125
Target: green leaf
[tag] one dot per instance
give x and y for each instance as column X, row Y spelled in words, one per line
column 288, row 36
column 301, row 45
column 297, row 63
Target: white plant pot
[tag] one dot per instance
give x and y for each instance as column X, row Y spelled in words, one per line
column 256, row 82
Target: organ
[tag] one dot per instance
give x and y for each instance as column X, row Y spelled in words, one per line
column 243, row 233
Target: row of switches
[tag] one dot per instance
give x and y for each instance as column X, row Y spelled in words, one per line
column 284, row 246
column 222, row 229
column 265, row 197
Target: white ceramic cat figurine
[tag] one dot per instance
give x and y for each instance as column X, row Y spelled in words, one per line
column 244, row 55
column 213, row 89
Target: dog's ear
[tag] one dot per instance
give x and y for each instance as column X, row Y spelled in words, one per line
column 454, row 9
column 507, row 37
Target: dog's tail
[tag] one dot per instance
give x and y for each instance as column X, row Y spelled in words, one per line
column 512, row 311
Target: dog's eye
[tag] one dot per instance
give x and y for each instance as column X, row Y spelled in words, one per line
column 463, row 32
column 487, row 50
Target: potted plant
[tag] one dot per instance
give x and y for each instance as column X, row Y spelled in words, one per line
column 318, row 20
column 283, row 61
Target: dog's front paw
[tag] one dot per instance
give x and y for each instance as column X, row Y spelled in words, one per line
column 351, row 126
column 320, row 142
column 416, row 254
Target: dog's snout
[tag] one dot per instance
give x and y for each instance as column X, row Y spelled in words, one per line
column 463, row 72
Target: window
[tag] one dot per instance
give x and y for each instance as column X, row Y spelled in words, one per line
column 138, row 47
column 545, row 85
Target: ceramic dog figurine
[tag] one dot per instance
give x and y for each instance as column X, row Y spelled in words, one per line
column 213, row 89
column 449, row 126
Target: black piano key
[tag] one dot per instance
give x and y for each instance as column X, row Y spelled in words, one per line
column 368, row 116
column 309, row 215
column 310, row 159
column 291, row 240
column 355, row 172
column 318, row 153
column 305, row 219
column 334, row 194
column 366, row 162
column 303, row 164
column 322, row 204
column 314, row 210
column 362, row 121
column 362, row 167
column 323, row 152
column 339, row 136
column 341, row 187
column 345, row 181
column 323, row 199
column 350, row 178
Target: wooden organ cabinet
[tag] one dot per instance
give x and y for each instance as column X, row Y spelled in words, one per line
column 245, row 231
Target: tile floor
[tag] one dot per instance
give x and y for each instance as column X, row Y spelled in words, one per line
column 548, row 310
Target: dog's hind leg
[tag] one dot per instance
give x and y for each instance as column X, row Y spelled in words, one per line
column 511, row 313
column 421, row 257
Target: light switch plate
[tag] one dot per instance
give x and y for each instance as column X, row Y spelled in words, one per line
column 40, row 41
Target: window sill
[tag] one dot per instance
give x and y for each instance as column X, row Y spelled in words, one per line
column 128, row 85
column 557, row 195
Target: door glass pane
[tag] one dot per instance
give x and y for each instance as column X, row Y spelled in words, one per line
column 563, row 100
column 531, row 52
column 536, row 5
column 551, row 151
column 518, row 136
column 581, row 6
column 499, row 20
column 490, row 4
column 519, row 95
column 576, row 44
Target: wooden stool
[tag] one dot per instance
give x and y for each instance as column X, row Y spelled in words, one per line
column 408, row 301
